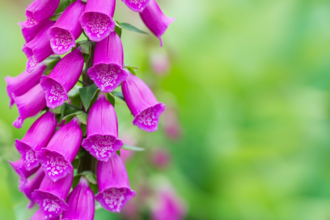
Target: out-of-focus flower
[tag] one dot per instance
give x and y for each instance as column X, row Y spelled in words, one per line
column 171, row 124
column 160, row 158
column 22, row 172
column 160, row 63
column 136, row 5
column 128, row 139
column 130, row 211
column 33, row 184
column 40, row 10
column 39, row 215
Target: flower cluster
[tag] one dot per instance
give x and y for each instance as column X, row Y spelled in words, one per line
column 72, row 129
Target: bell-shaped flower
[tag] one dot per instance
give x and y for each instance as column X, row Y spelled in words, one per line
column 102, row 130
column 38, row 49
column 22, row 172
column 97, row 19
column 36, row 138
column 33, row 184
column 40, row 10
column 136, row 5
column 155, row 20
column 67, row 29
column 22, row 83
column 61, row 150
column 29, row 104
column 107, row 71
column 142, row 103
column 51, row 196
column 62, row 78
column 29, row 32
column 39, row 215
column 81, row 202
column 113, row 184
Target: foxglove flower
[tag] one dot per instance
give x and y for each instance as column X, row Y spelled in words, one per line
column 22, row 172
column 66, row 31
column 102, row 130
column 142, row 103
column 81, row 202
column 33, row 184
column 51, row 196
column 22, row 83
column 36, row 138
column 97, row 19
column 40, row 10
column 29, row 32
column 171, row 124
column 136, row 5
column 107, row 71
column 155, row 20
column 38, row 49
column 61, row 150
column 38, row 215
column 160, row 158
column 62, row 78
column 29, row 104
column 113, row 184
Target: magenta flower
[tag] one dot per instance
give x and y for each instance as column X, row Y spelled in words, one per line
column 155, row 20
column 33, row 184
column 67, row 29
column 29, row 104
column 142, row 103
column 22, row 83
column 29, row 32
column 62, row 78
column 51, row 196
column 107, row 71
column 97, row 19
column 36, row 138
column 113, row 184
column 38, row 215
column 22, row 172
column 102, row 130
column 39, row 48
column 61, row 150
column 81, row 202
column 40, row 10
column 136, row 5
column 160, row 158
column 171, row 124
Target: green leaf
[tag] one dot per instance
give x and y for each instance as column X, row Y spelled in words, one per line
column 119, row 95
column 131, row 28
column 131, row 70
column 118, row 29
column 87, row 94
column 56, row 16
column 62, row 6
column 111, row 99
column 51, row 63
column 85, row 46
column 82, row 116
column 84, row 129
column 90, row 176
column 75, row 163
column 57, row 110
column 128, row 147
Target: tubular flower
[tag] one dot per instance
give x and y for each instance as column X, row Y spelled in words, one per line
column 155, row 20
column 142, row 103
column 81, row 202
column 136, row 5
column 97, row 19
column 62, row 78
column 22, row 83
column 113, row 184
column 38, row 49
column 29, row 104
column 51, row 196
column 22, row 172
column 102, row 130
column 107, row 71
column 33, row 184
column 61, row 150
column 29, row 32
column 36, row 138
column 40, row 10
column 67, row 29
column 38, row 215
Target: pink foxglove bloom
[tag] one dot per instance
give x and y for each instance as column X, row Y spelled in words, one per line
column 40, row 10
column 171, row 124
column 142, row 103
column 62, row 78
column 29, row 104
column 39, row 215
column 160, row 63
column 38, row 49
column 36, row 138
column 81, row 202
column 97, row 19
column 67, row 29
column 32, row 185
column 51, row 196
column 61, row 150
column 22, row 172
column 160, row 158
column 136, row 5
column 22, row 83
column 155, row 20
column 113, row 184
column 102, row 130
column 107, row 71
column 29, row 32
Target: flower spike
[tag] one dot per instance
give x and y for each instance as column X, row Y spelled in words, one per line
column 40, row 10
column 33, row 184
column 136, row 5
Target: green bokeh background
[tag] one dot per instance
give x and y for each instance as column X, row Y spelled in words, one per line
column 252, row 81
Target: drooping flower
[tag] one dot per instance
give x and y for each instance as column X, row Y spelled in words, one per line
column 22, row 83
column 136, row 5
column 39, row 48
column 29, row 32
column 67, row 29
column 142, row 103
column 36, row 138
column 62, row 78
column 81, row 202
column 102, row 130
column 29, row 104
column 97, row 19
column 40, row 10
column 33, row 184
column 51, row 196
column 113, row 184
column 107, row 71
column 38, row 215
column 61, row 150
column 155, row 20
